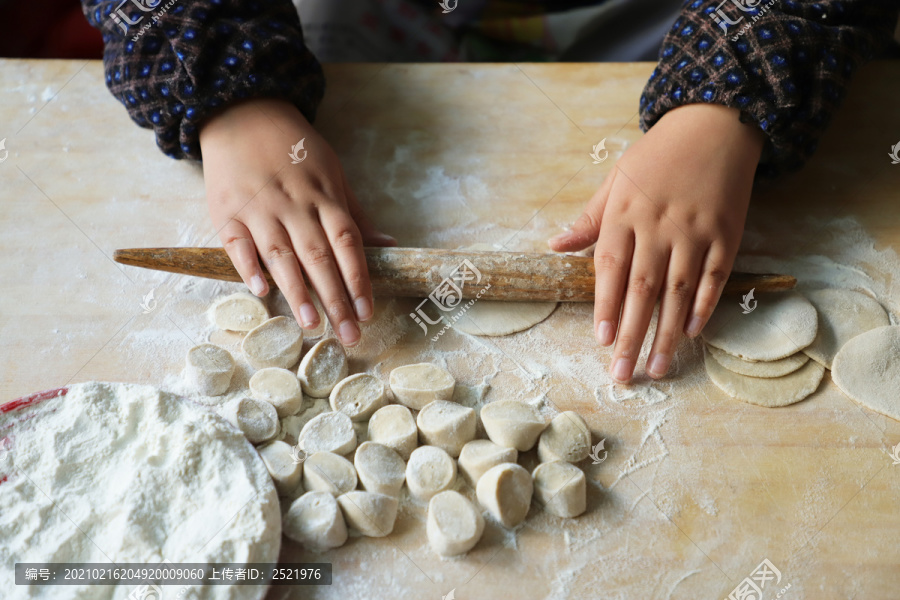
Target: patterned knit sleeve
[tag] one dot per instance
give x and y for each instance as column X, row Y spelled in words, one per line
column 173, row 63
column 785, row 64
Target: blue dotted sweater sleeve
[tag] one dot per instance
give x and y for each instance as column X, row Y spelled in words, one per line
column 785, row 64
column 173, row 63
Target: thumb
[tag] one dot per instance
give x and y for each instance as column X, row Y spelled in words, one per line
column 586, row 229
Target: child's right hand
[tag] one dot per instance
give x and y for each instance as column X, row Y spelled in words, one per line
column 299, row 218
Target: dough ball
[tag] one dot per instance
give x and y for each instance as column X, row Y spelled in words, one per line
column 843, row 315
column 867, row 369
column 417, row 385
column 278, row 387
column 275, row 343
column 285, row 471
column 512, row 424
column 782, row 324
column 454, row 524
column 239, row 312
column 447, row 425
column 370, row 513
column 505, row 491
column 315, row 520
column 566, row 438
column 560, row 487
column 769, row 392
column 380, row 468
column 394, row 426
column 257, row 420
column 429, row 471
column 322, row 368
column 209, row 369
column 358, row 396
column 478, row 456
column 329, row 472
column 771, row 368
column 328, row 432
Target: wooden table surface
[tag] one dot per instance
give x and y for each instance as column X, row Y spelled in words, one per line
column 698, row 489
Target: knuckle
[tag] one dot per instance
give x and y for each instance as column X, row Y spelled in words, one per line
column 276, row 251
column 355, row 279
column 315, row 256
column 230, row 241
column 627, row 345
column 607, row 261
column 337, row 308
column 717, row 276
column 680, row 289
column 642, row 286
column 346, row 236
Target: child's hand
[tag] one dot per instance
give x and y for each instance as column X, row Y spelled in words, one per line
column 667, row 222
column 299, row 218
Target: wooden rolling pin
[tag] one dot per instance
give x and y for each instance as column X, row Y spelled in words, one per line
column 417, row 272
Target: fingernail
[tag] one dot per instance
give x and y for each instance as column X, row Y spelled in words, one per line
column 559, row 236
column 622, row 369
column 309, row 316
column 257, row 285
column 349, row 333
column 363, row 308
column 658, row 365
column 605, row 333
column 694, row 326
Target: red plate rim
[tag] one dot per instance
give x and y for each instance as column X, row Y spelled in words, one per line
column 32, row 399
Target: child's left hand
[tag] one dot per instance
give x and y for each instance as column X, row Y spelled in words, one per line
column 667, row 222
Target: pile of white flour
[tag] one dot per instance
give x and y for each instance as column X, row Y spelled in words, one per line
column 125, row 473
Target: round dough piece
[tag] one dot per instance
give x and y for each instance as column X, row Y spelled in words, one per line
column 843, row 315
column 257, row 420
column 278, row 387
column 566, row 438
column 239, row 312
column 769, row 369
column 275, row 343
column 782, row 324
column 429, row 471
column 505, row 491
column 512, row 424
column 769, row 392
column 417, row 385
column 209, row 369
column 328, row 432
column 560, row 487
column 867, row 368
column 454, row 524
column 393, row 425
column 329, row 472
column 380, row 468
column 478, row 456
column 322, row 368
column 447, row 425
column 370, row 513
column 358, row 396
column 315, row 520
column 285, row 471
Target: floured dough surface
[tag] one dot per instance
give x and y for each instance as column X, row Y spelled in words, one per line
column 454, row 524
column 322, row 368
column 769, row 392
column 843, row 315
column 782, row 324
column 239, row 312
column 275, row 343
column 759, row 368
column 867, row 368
column 417, row 385
column 328, row 432
column 493, row 318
